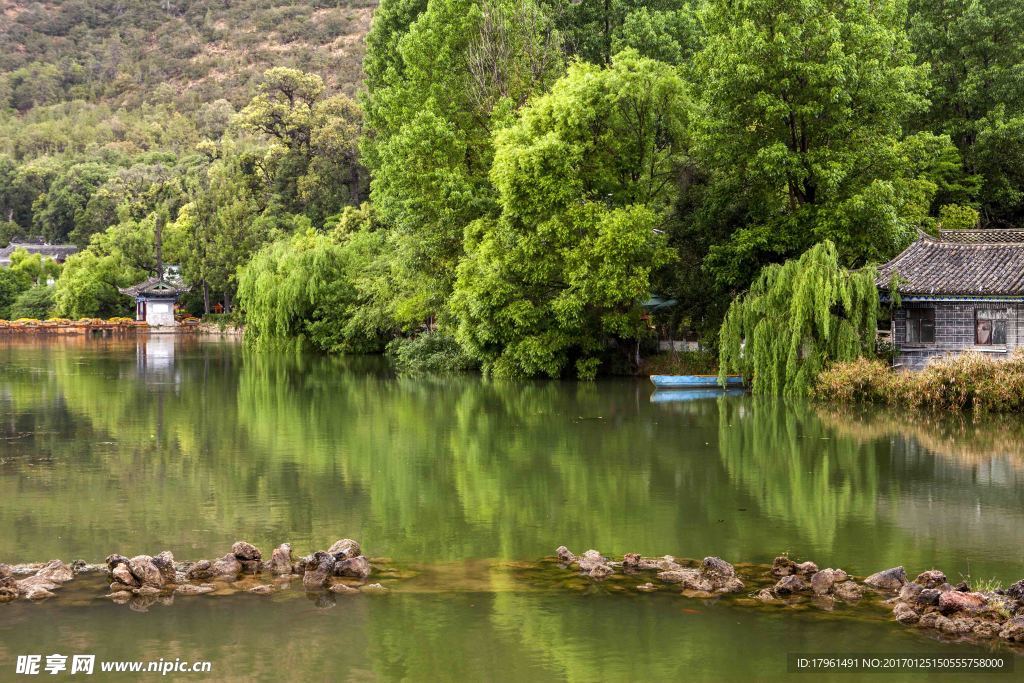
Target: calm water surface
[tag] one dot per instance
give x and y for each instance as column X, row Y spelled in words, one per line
column 188, row 445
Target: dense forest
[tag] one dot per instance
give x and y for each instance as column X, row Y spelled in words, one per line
column 494, row 183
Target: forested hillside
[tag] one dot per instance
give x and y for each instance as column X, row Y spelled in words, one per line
column 90, row 89
column 504, row 182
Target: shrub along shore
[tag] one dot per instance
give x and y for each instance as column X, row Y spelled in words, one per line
column 970, row 381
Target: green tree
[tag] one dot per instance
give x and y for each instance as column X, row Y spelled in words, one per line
column 797, row 317
column 585, row 177
column 977, row 97
column 435, row 95
column 799, row 132
column 55, row 213
column 35, row 302
column 311, row 287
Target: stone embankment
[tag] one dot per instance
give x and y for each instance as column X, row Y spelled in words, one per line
column 928, row 601
column 341, row 569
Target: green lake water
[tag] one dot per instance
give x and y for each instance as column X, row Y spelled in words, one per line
column 160, row 443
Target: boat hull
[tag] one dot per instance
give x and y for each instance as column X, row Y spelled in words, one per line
column 695, row 381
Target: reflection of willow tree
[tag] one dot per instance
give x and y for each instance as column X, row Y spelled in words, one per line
column 796, row 471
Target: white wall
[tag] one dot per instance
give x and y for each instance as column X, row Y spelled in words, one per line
column 160, row 313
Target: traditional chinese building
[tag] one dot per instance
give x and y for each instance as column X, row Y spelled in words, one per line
column 960, row 291
column 57, row 252
column 155, row 298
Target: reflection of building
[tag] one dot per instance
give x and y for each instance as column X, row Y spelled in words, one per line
column 963, row 290
column 154, row 353
column 58, row 252
column 155, row 298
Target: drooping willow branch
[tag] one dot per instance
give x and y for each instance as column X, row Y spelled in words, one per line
column 797, row 317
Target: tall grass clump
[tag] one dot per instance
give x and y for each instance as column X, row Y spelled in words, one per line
column 969, row 381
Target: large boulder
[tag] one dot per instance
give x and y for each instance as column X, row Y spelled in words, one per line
column 320, row 566
column 344, row 549
column 955, row 601
column 281, row 559
column 227, row 566
column 357, row 567
column 245, row 551
column 888, row 579
column 147, row 573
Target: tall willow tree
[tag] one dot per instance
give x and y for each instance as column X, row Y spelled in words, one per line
column 796, row 317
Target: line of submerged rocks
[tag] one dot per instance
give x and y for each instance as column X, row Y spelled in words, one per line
column 342, row 568
column 930, row 601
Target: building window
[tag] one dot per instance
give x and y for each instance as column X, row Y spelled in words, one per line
column 990, row 326
column 921, row 326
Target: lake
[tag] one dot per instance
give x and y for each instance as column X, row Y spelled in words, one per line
column 188, row 444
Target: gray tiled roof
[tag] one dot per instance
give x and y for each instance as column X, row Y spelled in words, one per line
column 931, row 266
column 55, row 251
column 976, row 236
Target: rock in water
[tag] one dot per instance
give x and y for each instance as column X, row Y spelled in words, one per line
column 373, row 589
column 192, row 589
column 905, row 614
column 564, row 555
column 317, row 570
column 1016, row 591
column 342, row 588
column 783, row 566
column 165, row 563
column 789, row 584
column 1013, row 630
column 821, row 582
column 357, row 567
column 601, row 571
column 717, row 568
column 281, row 559
column 344, row 549
column 56, row 571
column 932, row 578
column 262, row 589
column 147, row 573
column 847, row 590
column 888, row 579
column 5, row 571
column 955, row 601
column 8, row 588
column 114, row 560
column 245, row 551
column 122, row 576
column 203, row 569
column 807, row 568
column 226, row 566
column 590, row 559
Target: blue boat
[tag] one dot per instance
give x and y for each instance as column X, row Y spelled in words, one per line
column 695, row 382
